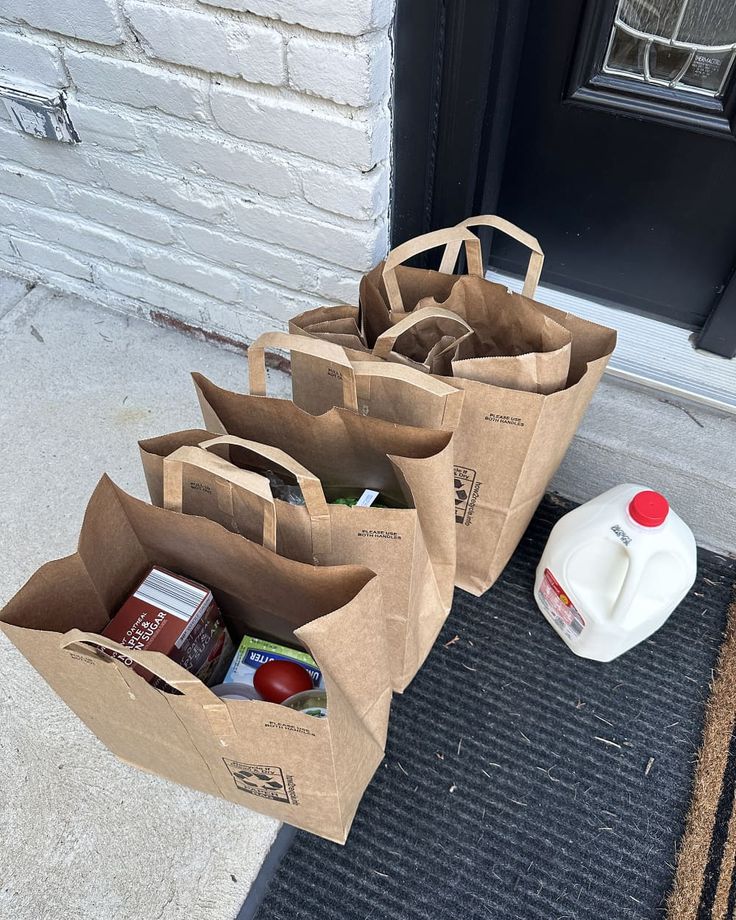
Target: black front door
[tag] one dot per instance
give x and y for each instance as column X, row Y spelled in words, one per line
column 621, row 156
column 609, row 135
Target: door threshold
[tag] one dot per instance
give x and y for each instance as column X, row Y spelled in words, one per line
column 649, row 351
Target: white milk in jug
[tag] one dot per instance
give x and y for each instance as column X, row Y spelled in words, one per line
column 613, row 570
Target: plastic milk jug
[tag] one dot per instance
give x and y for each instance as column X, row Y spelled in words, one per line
column 613, row 570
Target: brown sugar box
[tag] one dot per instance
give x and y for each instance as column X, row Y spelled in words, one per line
column 170, row 614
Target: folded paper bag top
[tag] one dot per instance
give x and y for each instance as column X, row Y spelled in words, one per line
column 306, row 772
column 338, row 325
column 514, row 344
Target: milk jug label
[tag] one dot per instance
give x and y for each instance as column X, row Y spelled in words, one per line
column 558, row 608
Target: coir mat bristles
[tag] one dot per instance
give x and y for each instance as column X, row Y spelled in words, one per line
column 705, row 881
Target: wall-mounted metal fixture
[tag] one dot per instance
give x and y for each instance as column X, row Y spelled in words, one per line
column 40, row 116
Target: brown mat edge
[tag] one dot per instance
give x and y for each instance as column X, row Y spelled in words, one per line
column 684, row 900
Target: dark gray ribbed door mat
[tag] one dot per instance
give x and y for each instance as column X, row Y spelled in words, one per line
column 521, row 781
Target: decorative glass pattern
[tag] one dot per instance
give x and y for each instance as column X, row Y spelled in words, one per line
column 684, row 44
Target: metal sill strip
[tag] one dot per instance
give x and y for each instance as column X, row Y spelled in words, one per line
column 649, row 351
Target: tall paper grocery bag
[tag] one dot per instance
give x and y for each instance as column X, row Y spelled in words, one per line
column 305, row 771
column 510, row 438
column 198, row 481
column 410, row 544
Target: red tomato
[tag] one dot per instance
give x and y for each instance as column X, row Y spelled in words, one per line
column 277, row 680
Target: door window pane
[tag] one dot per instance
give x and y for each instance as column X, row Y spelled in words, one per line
column 686, row 44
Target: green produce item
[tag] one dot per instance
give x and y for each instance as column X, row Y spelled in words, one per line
column 366, row 500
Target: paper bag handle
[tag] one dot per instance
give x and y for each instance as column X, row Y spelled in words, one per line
column 386, row 340
column 536, row 258
column 314, row 496
column 318, row 348
column 156, row 662
column 449, row 236
column 249, row 481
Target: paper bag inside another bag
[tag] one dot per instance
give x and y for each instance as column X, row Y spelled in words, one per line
column 429, row 344
column 514, row 344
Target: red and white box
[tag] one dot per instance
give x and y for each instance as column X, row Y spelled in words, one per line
column 170, row 614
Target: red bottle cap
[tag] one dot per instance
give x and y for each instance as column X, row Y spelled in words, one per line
column 650, row 509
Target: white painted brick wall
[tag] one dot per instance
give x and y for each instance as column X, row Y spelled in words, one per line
column 92, row 20
column 209, row 42
column 234, row 166
column 354, row 76
column 39, row 60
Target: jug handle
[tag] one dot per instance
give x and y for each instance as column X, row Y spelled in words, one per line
column 632, row 579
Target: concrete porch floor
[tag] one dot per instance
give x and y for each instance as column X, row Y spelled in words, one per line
column 80, row 385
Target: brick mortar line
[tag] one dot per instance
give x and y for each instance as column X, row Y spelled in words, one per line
column 284, row 28
column 214, row 134
column 158, row 165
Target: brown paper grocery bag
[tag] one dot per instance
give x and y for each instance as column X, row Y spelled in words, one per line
column 343, row 450
column 507, row 446
column 390, row 541
column 412, row 545
column 305, row 771
column 197, row 481
column 508, row 441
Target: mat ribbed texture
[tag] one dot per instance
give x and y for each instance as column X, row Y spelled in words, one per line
column 521, row 781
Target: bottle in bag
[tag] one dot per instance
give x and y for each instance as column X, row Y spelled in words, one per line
column 613, row 570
